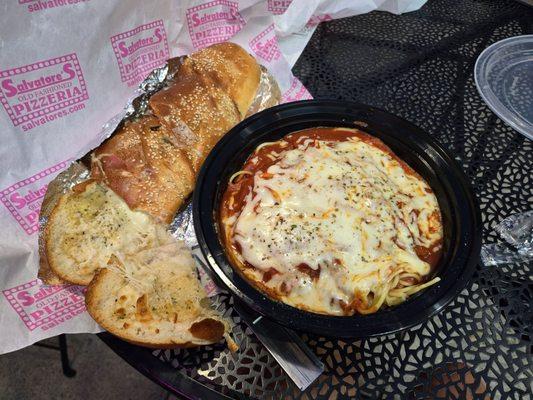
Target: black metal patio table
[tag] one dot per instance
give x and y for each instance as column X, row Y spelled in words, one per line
column 418, row 66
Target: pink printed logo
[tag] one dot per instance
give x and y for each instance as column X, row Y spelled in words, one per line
column 24, row 198
column 278, row 7
column 45, row 306
column 213, row 22
column 38, row 93
column 208, row 284
column 38, row 5
column 265, row 45
column 316, row 19
column 140, row 50
column 296, row 92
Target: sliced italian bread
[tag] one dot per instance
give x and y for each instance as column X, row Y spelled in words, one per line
column 154, row 299
column 91, row 223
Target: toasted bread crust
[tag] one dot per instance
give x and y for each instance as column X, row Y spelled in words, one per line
column 207, row 329
column 56, row 188
column 48, row 242
column 229, row 66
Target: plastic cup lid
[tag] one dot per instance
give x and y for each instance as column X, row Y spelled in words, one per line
column 504, row 78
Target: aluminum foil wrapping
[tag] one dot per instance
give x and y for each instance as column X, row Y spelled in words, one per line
column 268, row 94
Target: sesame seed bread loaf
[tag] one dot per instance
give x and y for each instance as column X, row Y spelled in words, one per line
column 153, row 298
column 152, row 163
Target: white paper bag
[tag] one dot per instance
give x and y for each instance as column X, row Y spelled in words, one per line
column 67, row 67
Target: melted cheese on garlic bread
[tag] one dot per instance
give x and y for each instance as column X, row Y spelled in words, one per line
column 91, row 223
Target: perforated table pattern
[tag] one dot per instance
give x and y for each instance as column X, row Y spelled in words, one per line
column 418, row 66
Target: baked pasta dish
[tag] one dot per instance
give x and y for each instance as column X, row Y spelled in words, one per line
column 331, row 221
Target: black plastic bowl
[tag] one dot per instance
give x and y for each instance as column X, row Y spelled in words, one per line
column 460, row 212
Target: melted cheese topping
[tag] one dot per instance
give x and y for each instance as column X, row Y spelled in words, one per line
column 92, row 225
column 336, row 220
column 166, row 277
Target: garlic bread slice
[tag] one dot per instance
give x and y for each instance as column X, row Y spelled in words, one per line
column 154, row 299
column 88, row 225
